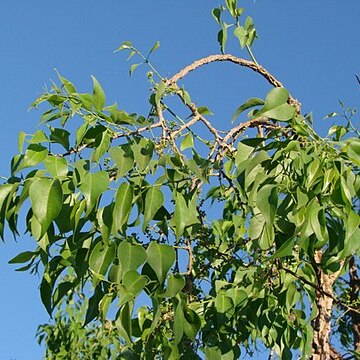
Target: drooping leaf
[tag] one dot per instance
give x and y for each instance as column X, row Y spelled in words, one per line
column 92, row 186
column 188, row 142
column 266, row 201
column 101, row 256
column 123, row 158
column 247, row 105
column 98, row 95
column 175, row 283
column 93, row 307
column 185, row 214
column 34, row 154
column 101, row 146
column 132, row 285
column 154, row 199
column 161, row 258
column 46, row 200
column 143, row 152
column 60, row 136
column 122, row 208
column 131, row 256
column 123, row 323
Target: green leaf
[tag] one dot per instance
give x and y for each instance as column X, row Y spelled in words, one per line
column 222, row 36
column 104, row 219
column 243, row 153
column 45, row 294
column 124, row 46
column 160, row 91
column 92, row 186
column 154, row 200
column 276, row 106
column 223, row 303
column 101, row 146
column 133, row 283
column 203, row 110
column 101, row 256
column 188, row 142
column 241, row 34
column 104, row 305
column 60, row 136
column 133, row 68
column 123, row 158
column 266, row 201
column 21, row 139
column 247, row 105
column 286, row 249
column 185, row 214
column 212, row 353
column 160, row 257
column 86, row 100
column 351, row 242
column 238, row 296
column 175, row 283
column 98, row 95
column 56, row 166
column 154, row 48
column 69, row 86
column 38, row 137
column 179, row 319
column 257, row 223
column 131, row 256
column 216, row 13
column 123, row 205
column 143, row 152
column 93, row 307
column 123, row 323
column 267, row 237
column 34, row 154
column 23, row 257
column 46, row 200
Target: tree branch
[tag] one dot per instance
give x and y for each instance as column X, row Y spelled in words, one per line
column 236, row 60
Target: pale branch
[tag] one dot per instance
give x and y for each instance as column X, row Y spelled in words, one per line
column 320, row 290
column 250, row 123
column 236, row 60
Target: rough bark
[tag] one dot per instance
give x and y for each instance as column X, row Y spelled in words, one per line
column 354, row 297
column 322, row 350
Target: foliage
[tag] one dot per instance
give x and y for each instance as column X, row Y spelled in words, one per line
column 216, row 233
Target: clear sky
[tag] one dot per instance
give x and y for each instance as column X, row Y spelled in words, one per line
column 313, row 47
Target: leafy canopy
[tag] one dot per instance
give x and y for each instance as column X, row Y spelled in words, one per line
column 216, row 233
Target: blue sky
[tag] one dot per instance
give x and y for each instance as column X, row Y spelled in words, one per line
column 313, row 47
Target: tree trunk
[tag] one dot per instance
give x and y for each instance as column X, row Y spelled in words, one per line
column 322, row 350
column 354, row 297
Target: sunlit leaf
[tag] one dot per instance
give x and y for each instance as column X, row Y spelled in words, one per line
column 160, row 257
column 46, row 200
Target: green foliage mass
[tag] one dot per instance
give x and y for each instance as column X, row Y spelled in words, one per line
column 214, row 234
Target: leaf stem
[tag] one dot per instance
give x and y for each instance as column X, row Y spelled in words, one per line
column 248, row 48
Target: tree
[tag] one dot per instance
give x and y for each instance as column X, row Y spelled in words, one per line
column 228, row 240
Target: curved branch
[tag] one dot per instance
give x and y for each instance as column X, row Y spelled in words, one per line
column 236, row 60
